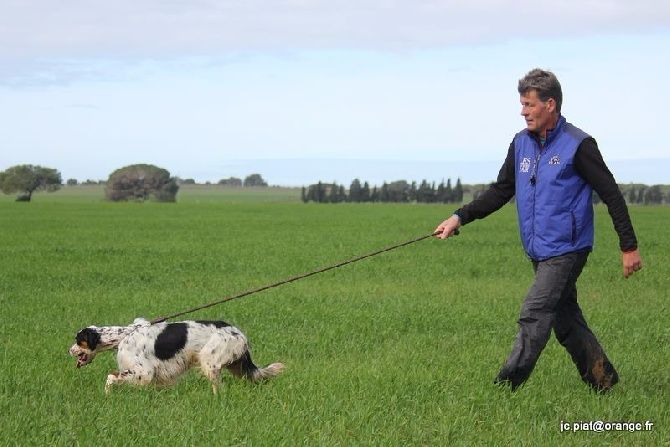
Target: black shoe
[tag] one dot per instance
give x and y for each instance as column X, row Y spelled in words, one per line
column 503, row 382
column 601, row 376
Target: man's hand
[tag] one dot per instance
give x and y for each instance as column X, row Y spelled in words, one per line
column 632, row 262
column 448, row 227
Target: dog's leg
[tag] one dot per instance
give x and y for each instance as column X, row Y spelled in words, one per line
column 135, row 377
column 212, row 371
column 219, row 352
column 112, row 378
column 211, row 368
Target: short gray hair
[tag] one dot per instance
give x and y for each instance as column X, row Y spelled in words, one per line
column 544, row 83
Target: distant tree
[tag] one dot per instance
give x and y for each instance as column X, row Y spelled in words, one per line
column 331, row 193
column 458, row 192
column 355, row 191
column 424, row 193
column 365, row 192
column 640, row 195
column 90, row 182
column 632, row 195
column 141, row 182
column 27, row 179
column 342, row 194
column 374, row 195
column 384, row 193
column 187, row 181
column 440, row 196
column 318, row 192
column 254, row 180
column 72, row 182
column 411, row 194
column 653, row 195
column 321, row 192
column 449, row 193
column 231, row 181
column 398, row 191
column 303, row 194
column 310, row 196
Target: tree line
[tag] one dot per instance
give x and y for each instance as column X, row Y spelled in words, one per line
column 250, row 181
column 645, row 195
column 137, row 182
column 148, row 182
column 399, row 191
column 402, row 191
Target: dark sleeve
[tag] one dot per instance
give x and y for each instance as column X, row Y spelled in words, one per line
column 590, row 165
column 499, row 193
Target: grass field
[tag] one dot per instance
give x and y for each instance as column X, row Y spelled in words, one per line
column 400, row 349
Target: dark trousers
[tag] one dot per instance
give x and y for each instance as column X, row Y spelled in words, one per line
column 551, row 303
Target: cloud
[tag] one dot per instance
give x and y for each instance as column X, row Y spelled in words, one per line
column 167, row 28
column 46, row 42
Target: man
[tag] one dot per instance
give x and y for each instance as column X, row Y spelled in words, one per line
column 552, row 167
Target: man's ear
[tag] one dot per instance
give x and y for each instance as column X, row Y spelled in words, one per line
column 551, row 104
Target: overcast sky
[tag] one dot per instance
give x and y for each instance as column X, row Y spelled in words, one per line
column 211, row 89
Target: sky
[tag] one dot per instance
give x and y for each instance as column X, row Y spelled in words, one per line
column 302, row 91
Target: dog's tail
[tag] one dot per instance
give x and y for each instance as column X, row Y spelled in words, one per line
column 245, row 367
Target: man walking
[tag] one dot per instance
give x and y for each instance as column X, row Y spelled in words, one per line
column 552, row 167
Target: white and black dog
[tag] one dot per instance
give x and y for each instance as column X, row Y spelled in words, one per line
column 160, row 353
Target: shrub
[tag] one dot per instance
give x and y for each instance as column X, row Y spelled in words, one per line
column 141, row 182
column 27, row 179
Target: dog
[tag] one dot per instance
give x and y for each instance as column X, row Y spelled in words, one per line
column 160, row 353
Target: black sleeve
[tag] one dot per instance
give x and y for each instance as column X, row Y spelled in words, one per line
column 590, row 165
column 499, row 193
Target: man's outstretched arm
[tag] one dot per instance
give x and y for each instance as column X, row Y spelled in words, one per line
column 499, row 193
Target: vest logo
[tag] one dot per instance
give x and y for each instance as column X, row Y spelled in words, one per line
column 525, row 165
column 555, row 160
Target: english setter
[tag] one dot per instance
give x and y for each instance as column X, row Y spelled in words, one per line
column 160, row 353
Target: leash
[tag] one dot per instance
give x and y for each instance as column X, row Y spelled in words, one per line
column 294, row 278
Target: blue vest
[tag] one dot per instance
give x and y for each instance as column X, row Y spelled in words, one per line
column 553, row 201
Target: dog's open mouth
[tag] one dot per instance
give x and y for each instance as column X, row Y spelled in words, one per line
column 83, row 359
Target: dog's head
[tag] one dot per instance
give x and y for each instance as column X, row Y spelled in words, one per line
column 87, row 345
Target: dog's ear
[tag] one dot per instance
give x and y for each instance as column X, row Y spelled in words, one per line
column 88, row 338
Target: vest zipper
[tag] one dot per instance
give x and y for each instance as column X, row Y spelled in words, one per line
column 536, row 169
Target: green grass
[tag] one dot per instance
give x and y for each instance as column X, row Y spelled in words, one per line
column 398, row 349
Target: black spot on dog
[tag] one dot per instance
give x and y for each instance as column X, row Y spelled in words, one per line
column 217, row 324
column 170, row 341
column 88, row 338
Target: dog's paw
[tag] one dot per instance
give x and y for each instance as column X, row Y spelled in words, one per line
column 111, row 379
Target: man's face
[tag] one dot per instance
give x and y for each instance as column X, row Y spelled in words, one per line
column 540, row 116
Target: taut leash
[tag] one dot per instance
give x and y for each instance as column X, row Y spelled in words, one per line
column 294, row 278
